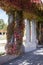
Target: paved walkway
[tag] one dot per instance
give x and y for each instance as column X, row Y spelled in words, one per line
column 6, row 58
column 31, row 58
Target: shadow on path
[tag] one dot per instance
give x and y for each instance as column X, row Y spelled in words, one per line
column 30, row 58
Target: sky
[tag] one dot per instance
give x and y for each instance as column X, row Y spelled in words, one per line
column 4, row 16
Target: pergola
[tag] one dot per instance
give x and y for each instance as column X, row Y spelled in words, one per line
column 24, row 5
column 18, row 10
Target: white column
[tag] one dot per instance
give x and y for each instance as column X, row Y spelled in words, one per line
column 2, row 33
column 27, row 35
column 33, row 31
column 30, row 42
column 27, row 28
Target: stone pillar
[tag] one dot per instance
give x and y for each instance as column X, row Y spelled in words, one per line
column 15, row 28
column 27, row 30
column 10, row 29
column 28, row 36
column 33, row 31
column 30, row 43
column 33, row 35
column 19, row 30
column 10, row 34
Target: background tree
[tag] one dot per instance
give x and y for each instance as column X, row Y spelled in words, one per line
column 3, row 26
